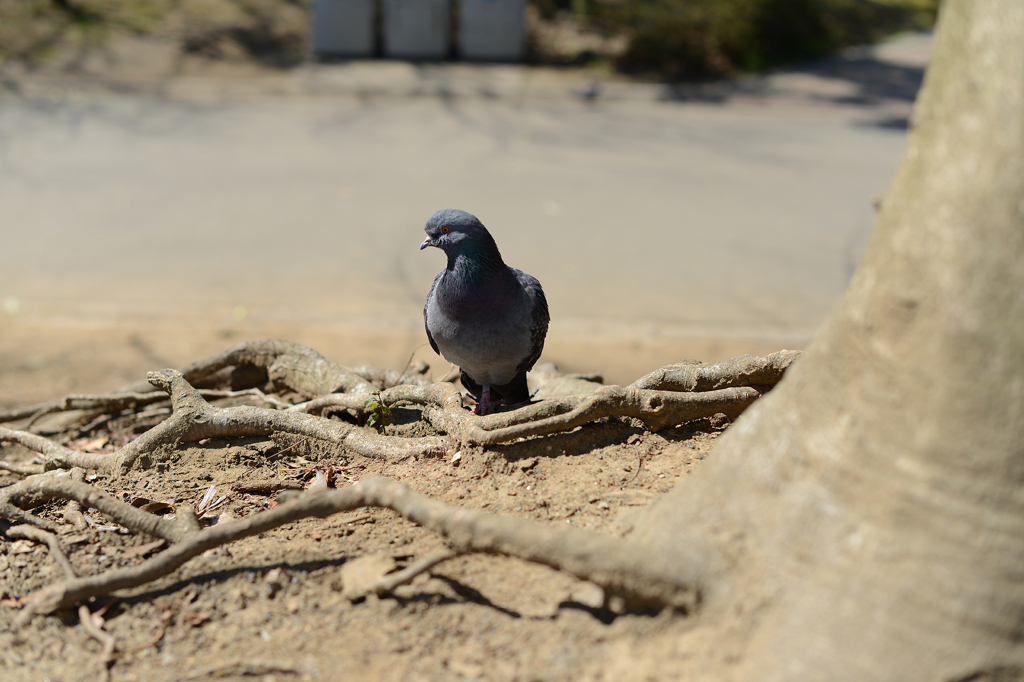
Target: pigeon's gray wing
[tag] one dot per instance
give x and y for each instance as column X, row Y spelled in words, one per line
column 538, row 319
column 426, row 322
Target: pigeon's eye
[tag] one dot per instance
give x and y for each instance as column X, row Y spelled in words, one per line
column 445, row 229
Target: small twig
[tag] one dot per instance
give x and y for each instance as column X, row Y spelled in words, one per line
column 241, row 668
column 451, row 376
column 387, row 583
column 105, row 638
column 408, row 364
column 36, row 417
column 266, row 486
column 268, row 458
column 23, row 469
column 283, row 450
column 13, row 513
column 639, row 463
column 151, row 412
column 48, row 539
column 99, row 421
column 357, row 518
column 253, row 392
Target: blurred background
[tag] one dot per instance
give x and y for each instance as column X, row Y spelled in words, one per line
column 687, row 178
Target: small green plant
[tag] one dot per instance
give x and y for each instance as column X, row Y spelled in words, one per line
column 380, row 414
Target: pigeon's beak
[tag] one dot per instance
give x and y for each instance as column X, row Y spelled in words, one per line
column 426, row 243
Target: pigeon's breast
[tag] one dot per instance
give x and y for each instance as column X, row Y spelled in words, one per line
column 483, row 334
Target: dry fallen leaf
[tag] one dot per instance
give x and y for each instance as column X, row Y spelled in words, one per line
column 207, row 499
column 319, row 482
column 156, row 507
column 95, row 444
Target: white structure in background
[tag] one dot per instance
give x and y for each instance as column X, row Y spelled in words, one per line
column 416, row 29
column 489, row 30
column 492, row 30
column 342, row 27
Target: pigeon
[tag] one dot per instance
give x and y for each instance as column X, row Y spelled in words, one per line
column 482, row 315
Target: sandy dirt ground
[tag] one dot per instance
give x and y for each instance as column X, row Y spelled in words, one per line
column 271, row 606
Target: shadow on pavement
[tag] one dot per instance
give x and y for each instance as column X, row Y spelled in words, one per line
column 861, row 80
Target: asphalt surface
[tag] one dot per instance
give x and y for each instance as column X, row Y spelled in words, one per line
column 732, row 211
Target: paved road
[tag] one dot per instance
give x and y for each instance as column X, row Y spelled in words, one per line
column 735, row 211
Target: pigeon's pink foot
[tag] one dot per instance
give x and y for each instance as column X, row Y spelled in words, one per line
column 485, row 405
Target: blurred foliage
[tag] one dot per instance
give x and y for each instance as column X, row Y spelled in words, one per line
column 31, row 30
column 272, row 32
column 268, row 31
column 706, row 38
column 672, row 38
column 711, row 38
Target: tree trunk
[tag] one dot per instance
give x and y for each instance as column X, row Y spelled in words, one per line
column 869, row 512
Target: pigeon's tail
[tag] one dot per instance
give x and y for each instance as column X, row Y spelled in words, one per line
column 515, row 391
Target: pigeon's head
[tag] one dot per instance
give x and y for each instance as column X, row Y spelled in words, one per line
column 458, row 233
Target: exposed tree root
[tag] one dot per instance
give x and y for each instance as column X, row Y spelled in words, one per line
column 745, row 370
column 114, row 402
column 57, row 456
column 73, row 512
column 656, row 409
column 42, row 488
column 731, row 389
column 281, row 366
column 194, row 419
column 635, row 575
column 48, row 539
column 284, row 365
column 277, row 365
column 662, row 399
column 22, row 469
column 670, row 396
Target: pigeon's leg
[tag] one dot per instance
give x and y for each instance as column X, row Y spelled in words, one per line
column 485, row 405
column 515, row 391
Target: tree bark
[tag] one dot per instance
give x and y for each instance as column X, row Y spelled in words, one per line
column 869, row 512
